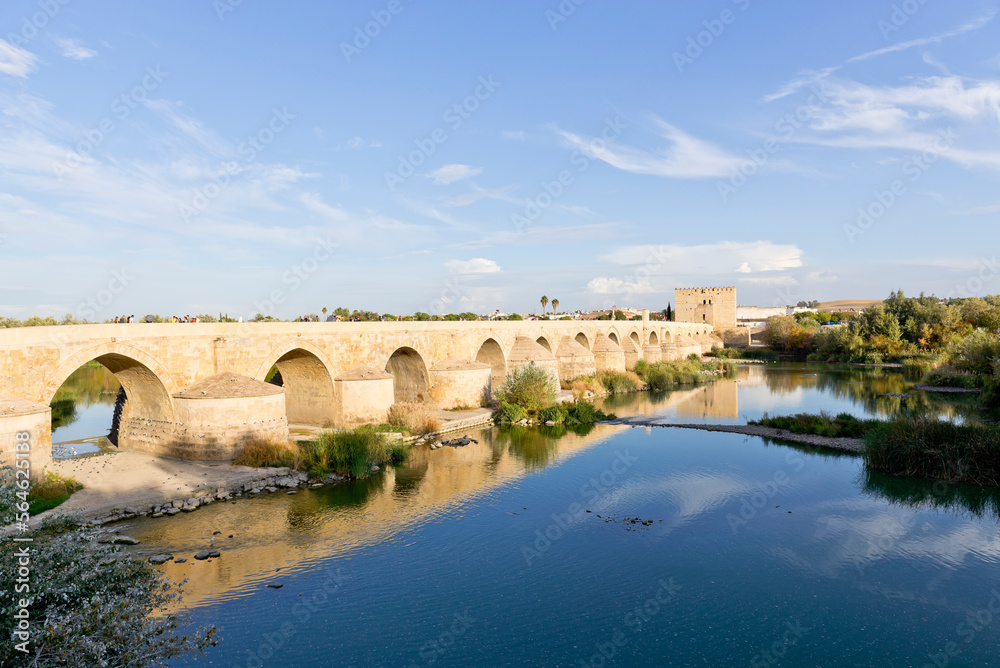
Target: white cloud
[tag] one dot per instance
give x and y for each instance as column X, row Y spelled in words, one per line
column 718, row 258
column 521, row 134
column 822, row 277
column 770, row 280
column 614, row 286
column 476, row 265
column 73, row 48
column 15, row 61
column 452, row 173
column 686, row 157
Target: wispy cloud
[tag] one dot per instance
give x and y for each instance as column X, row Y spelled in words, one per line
column 809, row 78
column 718, row 258
column 476, row 265
column 482, row 193
column 979, row 210
column 74, row 48
column 686, row 157
column 15, row 61
column 452, row 173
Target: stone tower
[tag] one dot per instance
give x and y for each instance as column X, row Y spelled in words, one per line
column 712, row 306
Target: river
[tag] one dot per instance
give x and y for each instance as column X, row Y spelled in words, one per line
column 699, row 548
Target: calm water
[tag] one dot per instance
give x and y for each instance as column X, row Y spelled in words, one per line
column 742, row 552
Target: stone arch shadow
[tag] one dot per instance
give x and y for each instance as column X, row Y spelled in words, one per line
column 582, row 339
column 613, row 335
column 653, row 340
column 305, row 375
column 491, row 353
column 410, row 379
column 147, row 385
column 544, row 343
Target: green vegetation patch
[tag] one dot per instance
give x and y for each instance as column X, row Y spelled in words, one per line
column 51, row 491
column 935, row 449
column 844, row 425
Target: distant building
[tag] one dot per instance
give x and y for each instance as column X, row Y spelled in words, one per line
column 756, row 316
column 713, row 306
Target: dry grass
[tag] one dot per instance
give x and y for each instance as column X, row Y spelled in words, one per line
column 264, row 453
column 414, row 418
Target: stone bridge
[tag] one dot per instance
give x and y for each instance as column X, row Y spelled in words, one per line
column 196, row 390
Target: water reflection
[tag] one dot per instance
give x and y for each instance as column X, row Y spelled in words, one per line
column 923, row 494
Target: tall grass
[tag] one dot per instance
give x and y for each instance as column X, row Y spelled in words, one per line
column 935, row 449
column 414, row 418
column 618, row 382
column 348, row 451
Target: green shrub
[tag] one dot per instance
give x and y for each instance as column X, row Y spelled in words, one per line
column 50, row 491
column 529, row 387
column 948, row 376
column 509, row 413
column 556, row 413
column 977, row 353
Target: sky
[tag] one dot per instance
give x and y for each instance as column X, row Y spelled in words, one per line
column 241, row 156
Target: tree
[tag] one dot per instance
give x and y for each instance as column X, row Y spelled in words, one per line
column 670, row 314
column 545, row 301
column 324, row 313
column 555, row 305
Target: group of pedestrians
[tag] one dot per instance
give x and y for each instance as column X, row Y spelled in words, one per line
column 125, row 319
column 128, row 319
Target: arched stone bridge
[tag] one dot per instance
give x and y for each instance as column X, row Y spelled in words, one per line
column 194, row 390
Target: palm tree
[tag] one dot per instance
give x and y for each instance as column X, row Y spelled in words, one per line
column 555, row 305
column 324, row 313
column 545, row 301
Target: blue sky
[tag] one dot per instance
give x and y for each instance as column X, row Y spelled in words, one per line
column 205, row 156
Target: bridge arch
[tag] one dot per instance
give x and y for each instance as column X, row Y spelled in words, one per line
column 147, row 385
column 305, row 375
column 491, row 353
column 634, row 336
column 653, row 341
column 409, row 375
column 666, row 336
column 582, row 339
column 544, row 343
column 613, row 335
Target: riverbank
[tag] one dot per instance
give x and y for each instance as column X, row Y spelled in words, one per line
column 851, row 445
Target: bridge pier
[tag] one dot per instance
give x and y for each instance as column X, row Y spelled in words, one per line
column 457, row 383
column 608, row 356
column 526, row 351
column 364, row 396
column 20, row 416
column 574, row 360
